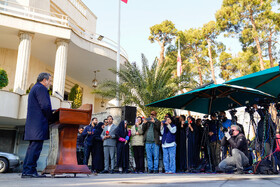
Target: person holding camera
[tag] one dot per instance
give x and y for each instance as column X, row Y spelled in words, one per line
column 215, row 143
column 151, row 128
column 239, row 150
column 224, row 123
column 168, row 130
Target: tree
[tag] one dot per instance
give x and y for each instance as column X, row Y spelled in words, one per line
column 242, row 64
column 270, row 33
column 210, row 34
column 76, row 95
column 191, row 44
column 141, row 86
column 163, row 33
column 188, row 76
column 3, row 78
column 239, row 16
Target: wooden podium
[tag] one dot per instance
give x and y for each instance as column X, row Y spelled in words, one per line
column 63, row 137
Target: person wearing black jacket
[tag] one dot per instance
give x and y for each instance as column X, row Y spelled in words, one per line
column 215, row 144
column 239, row 151
column 181, row 151
column 123, row 136
column 80, row 146
column 88, row 135
column 98, row 156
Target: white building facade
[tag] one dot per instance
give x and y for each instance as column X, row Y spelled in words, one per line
column 54, row 36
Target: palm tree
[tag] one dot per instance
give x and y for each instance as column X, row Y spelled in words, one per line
column 140, row 86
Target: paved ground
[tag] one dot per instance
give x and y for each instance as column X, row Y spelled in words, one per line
column 202, row 180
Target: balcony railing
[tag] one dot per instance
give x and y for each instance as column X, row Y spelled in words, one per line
column 18, row 10
column 8, row 7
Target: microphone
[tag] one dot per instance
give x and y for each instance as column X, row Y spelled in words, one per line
column 59, row 94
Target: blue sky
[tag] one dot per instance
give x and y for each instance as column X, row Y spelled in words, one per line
column 139, row 15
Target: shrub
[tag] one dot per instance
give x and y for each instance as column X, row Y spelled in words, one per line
column 76, row 95
column 3, row 78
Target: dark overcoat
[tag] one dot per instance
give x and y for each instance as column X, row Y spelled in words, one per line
column 39, row 111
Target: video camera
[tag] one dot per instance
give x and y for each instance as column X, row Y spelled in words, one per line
column 205, row 121
column 227, row 130
column 250, row 109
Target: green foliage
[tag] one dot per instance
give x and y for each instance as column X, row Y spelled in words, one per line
column 142, row 85
column 161, row 113
column 194, row 53
column 76, row 95
column 243, row 64
column 250, row 20
column 163, row 33
column 3, row 78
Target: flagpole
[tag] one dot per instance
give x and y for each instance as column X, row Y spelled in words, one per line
column 118, row 56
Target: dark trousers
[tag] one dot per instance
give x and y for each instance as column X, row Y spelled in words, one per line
column 139, row 158
column 88, row 150
column 32, row 155
column 123, row 155
column 80, row 155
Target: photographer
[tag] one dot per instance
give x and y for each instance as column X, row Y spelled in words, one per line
column 239, row 150
column 224, row 124
column 151, row 130
column 215, row 143
column 168, row 130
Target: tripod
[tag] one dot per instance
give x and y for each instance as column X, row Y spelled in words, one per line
column 205, row 143
column 252, row 122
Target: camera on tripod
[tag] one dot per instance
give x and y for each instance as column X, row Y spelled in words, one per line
column 205, row 121
column 250, row 109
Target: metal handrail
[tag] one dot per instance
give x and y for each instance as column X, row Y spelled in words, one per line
column 15, row 9
column 11, row 8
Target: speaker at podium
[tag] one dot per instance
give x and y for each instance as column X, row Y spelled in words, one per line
column 129, row 114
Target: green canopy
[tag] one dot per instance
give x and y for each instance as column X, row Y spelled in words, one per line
column 213, row 98
column 267, row 81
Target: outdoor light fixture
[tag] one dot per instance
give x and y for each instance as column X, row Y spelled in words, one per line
column 102, row 103
column 100, row 37
column 94, row 81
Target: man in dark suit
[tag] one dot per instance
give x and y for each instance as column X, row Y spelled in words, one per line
column 39, row 112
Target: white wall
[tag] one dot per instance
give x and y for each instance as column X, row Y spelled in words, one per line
column 87, row 22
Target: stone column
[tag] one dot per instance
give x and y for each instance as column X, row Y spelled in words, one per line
column 23, row 58
column 60, row 67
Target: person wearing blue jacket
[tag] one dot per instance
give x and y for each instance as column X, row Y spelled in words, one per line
column 88, row 135
column 39, row 113
column 168, row 131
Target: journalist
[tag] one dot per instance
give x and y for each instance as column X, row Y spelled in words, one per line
column 239, row 150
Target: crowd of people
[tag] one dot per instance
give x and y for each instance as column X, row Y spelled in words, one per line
column 186, row 145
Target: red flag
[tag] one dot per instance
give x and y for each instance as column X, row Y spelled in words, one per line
column 125, row 1
column 179, row 62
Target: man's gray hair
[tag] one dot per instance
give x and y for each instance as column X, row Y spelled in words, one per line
column 237, row 127
column 43, row 76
